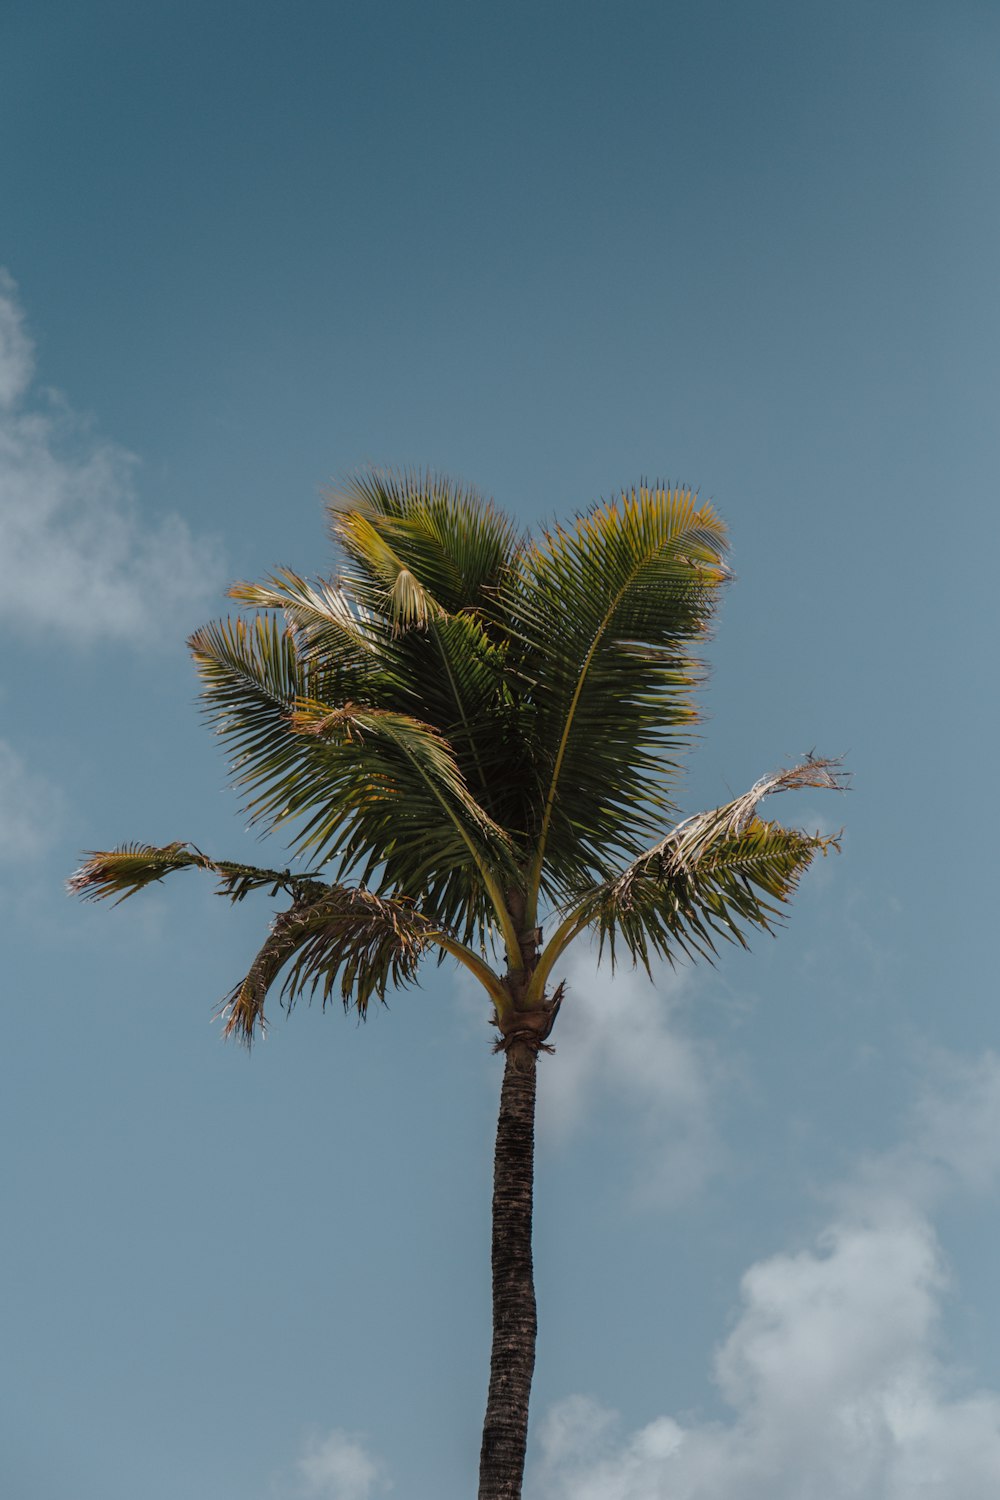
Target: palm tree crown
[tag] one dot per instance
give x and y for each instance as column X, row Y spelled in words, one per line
column 463, row 732
column 467, row 725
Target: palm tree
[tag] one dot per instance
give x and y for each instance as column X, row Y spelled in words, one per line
column 462, row 728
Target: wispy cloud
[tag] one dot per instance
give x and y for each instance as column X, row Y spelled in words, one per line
column 17, row 356
column 622, row 1038
column 833, row 1369
column 31, row 809
column 79, row 559
column 340, row 1467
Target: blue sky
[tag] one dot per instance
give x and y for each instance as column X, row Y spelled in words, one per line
column 547, row 249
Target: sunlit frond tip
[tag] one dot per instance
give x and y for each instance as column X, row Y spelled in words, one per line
column 123, row 871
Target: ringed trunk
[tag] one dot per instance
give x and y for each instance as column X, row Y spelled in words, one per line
column 512, row 1362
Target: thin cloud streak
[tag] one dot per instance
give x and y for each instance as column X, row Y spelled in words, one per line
column 32, row 809
column 80, row 560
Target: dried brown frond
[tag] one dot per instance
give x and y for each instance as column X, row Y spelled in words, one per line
column 685, row 844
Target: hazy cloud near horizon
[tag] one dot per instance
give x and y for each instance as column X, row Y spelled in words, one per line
column 80, row 560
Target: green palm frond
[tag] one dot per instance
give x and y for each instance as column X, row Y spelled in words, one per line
column 605, row 613
column 453, row 545
column 398, row 592
column 452, row 671
column 389, row 798
column 262, row 697
column 344, row 938
column 328, row 630
column 461, row 673
column 370, row 787
column 252, row 680
column 402, row 754
column 716, row 874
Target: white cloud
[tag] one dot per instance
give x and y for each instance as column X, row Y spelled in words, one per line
column 78, row 558
column 833, row 1369
column 954, row 1140
column 339, row 1467
column 16, row 353
column 959, row 1122
column 31, row 809
column 621, row 1038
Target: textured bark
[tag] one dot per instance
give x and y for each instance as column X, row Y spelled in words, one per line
column 505, row 1430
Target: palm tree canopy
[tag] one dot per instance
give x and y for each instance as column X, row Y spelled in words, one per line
column 467, row 722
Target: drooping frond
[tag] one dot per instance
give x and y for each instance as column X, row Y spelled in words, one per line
column 352, row 732
column 717, row 875
column 605, row 613
column 332, row 934
column 345, row 939
column 738, row 886
column 123, row 871
column 691, row 840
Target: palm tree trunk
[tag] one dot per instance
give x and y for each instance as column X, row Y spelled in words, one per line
column 505, row 1430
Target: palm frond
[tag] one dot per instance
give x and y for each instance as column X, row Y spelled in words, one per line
column 454, row 545
column 606, row 613
column 693, row 839
column 451, row 672
column 389, row 793
column 344, row 938
column 739, row 886
column 332, row 934
column 354, row 724
column 131, row 867
column 460, row 672
column 717, row 875
column 252, row 680
column 327, row 626
column 399, row 593
column 371, row 787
